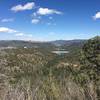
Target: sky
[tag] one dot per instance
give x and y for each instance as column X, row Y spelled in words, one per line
column 47, row 20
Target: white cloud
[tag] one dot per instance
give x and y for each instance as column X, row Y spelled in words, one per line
column 7, row 30
column 16, row 34
column 52, row 24
column 7, row 20
column 23, row 35
column 97, row 16
column 27, row 6
column 28, row 35
column 47, row 11
column 19, row 34
column 35, row 21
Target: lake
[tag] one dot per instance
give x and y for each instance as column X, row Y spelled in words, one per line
column 60, row 52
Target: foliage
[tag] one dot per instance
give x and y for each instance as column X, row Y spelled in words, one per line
column 37, row 74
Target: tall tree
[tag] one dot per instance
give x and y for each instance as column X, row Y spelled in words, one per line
column 91, row 53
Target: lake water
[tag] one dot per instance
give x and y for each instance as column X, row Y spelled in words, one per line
column 60, row 52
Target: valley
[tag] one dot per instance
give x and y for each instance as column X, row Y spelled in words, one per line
column 47, row 71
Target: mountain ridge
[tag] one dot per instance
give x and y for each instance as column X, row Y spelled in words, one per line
column 19, row 43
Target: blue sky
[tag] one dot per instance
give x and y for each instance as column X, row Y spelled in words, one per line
column 46, row 20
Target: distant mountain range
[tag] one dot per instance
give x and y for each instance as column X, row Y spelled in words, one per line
column 67, row 42
column 30, row 44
